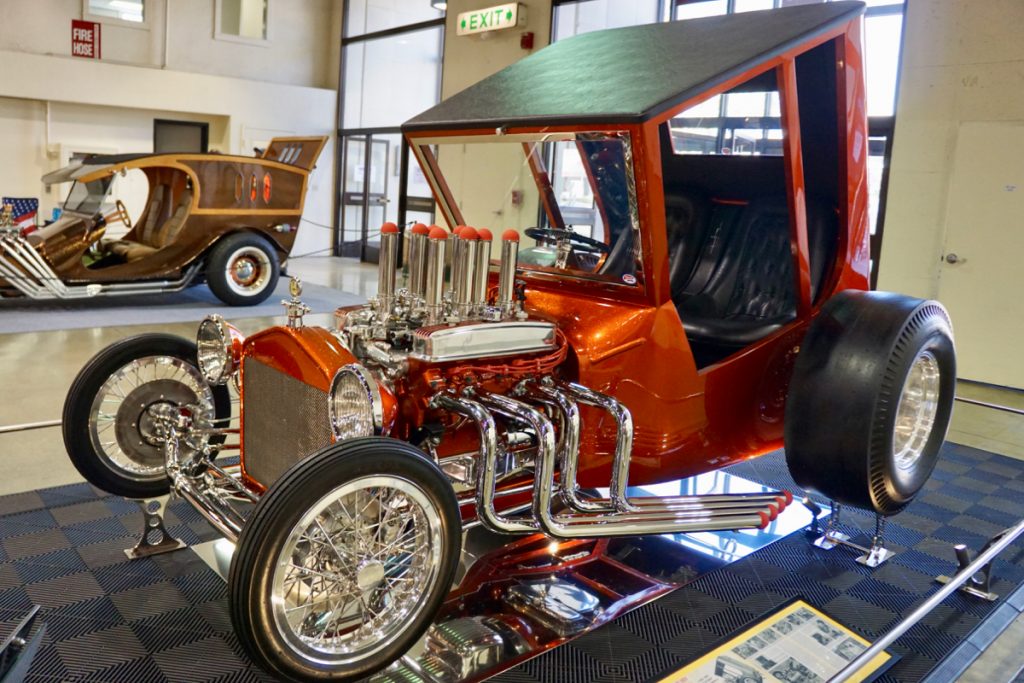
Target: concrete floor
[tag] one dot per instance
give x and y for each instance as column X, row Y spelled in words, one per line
column 36, row 370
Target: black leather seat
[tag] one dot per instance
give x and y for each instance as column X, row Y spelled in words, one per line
column 731, row 268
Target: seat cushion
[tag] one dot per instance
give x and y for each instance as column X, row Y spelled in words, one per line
column 128, row 250
column 742, row 287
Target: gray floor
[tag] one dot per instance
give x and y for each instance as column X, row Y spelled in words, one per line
column 37, row 368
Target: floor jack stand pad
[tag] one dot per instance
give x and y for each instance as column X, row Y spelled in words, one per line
column 155, row 537
column 871, row 556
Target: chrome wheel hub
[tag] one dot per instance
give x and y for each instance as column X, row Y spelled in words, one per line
column 248, row 271
column 355, row 568
column 916, row 410
column 121, row 426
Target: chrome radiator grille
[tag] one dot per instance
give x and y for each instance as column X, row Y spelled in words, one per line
column 284, row 420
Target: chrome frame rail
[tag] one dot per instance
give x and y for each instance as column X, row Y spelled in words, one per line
column 26, row 270
column 959, row 579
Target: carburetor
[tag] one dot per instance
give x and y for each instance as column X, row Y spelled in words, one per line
column 434, row 323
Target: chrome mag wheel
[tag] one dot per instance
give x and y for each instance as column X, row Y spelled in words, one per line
column 121, row 428
column 352, row 572
column 916, row 410
column 248, row 271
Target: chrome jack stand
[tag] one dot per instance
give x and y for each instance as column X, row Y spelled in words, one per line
column 871, row 557
column 155, row 537
column 978, row 585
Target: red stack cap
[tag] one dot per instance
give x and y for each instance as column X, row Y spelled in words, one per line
column 438, row 233
column 485, row 234
column 458, row 229
column 420, row 229
column 468, row 233
column 389, row 227
column 510, row 236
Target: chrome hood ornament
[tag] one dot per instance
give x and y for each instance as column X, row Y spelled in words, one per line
column 294, row 306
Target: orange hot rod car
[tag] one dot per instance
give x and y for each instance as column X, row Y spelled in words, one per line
column 227, row 220
column 683, row 289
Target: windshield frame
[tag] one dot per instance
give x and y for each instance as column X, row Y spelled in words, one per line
column 635, row 283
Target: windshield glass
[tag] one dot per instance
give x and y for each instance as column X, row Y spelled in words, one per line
column 87, row 197
column 569, row 195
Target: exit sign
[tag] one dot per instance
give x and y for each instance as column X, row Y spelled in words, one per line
column 495, row 18
column 85, row 39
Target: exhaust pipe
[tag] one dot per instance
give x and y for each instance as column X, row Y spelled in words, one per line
column 507, row 273
column 433, row 291
column 386, row 266
column 486, row 480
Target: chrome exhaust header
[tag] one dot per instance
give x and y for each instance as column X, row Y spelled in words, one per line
column 618, row 515
column 26, row 270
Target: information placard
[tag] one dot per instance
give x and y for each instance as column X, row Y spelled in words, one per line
column 85, row 39
column 797, row 644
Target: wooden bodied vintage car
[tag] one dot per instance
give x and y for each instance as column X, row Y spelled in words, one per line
column 227, row 220
column 696, row 295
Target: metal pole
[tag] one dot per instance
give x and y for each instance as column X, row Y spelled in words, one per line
column 993, row 406
column 1009, row 536
column 29, row 425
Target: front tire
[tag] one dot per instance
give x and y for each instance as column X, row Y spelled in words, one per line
column 243, row 269
column 870, row 399
column 344, row 562
column 108, row 432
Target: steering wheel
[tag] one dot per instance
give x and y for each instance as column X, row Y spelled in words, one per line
column 120, row 213
column 587, row 244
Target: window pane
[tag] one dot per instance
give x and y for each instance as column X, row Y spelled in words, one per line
column 367, row 16
column 245, row 18
column 753, row 5
column 375, row 70
column 704, row 8
column 125, row 10
column 882, row 51
column 750, row 126
column 592, row 15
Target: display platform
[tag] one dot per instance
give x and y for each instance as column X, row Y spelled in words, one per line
column 165, row 617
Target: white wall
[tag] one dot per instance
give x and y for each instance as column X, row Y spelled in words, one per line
column 248, row 93
column 963, row 61
column 302, row 46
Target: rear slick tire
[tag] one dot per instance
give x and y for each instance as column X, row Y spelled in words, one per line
column 344, row 562
column 870, row 399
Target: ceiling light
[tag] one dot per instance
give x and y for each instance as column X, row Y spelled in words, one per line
column 441, row 5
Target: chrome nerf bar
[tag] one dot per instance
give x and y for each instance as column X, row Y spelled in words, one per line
column 26, row 270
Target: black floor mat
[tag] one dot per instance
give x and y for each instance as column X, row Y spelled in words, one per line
column 165, row 618
column 972, row 496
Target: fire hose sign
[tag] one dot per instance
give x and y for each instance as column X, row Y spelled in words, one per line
column 85, row 39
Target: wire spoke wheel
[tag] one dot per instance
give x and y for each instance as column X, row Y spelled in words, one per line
column 109, row 424
column 121, row 427
column 350, row 576
column 345, row 560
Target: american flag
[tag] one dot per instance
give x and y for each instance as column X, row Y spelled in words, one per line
column 24, row 212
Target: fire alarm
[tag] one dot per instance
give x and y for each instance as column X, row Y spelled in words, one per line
column 526, row 40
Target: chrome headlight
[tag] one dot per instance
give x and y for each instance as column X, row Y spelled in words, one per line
column 215, row 350
column 354, row 403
